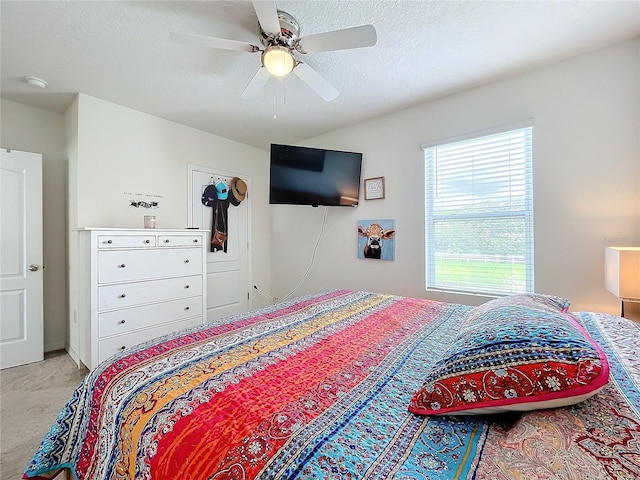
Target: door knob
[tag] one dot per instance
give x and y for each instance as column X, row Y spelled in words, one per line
column 34, row 268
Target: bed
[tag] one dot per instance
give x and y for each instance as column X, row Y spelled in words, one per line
column 321, row 387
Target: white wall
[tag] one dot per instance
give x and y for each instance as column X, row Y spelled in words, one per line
column 34, row 130
column 72, row 132
column 122, row 152
column 586, row 181
column 126, row 155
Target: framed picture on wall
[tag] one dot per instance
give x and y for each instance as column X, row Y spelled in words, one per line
column 373, row 188
column 377, row 239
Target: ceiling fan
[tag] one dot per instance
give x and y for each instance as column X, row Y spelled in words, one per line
column 280, row 36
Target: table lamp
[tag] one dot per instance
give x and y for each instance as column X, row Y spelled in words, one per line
column 622, row 273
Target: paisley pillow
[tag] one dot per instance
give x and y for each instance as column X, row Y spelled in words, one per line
column 538, row 301
column 513, row 358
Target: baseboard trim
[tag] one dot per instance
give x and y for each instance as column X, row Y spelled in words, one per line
column 72, row 353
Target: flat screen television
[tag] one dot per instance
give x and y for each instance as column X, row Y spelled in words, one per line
column 314, row 176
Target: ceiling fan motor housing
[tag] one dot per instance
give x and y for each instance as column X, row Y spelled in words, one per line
column 289, row 32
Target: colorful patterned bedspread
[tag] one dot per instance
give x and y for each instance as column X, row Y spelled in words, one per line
column 318, row 388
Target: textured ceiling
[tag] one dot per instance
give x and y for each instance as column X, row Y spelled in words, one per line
column 121, row 52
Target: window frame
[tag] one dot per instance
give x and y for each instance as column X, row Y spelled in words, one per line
column 526, row 213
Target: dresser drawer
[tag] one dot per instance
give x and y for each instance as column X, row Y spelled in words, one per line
column 139, row 293
column 128, row 265
column 122, row 321
column 112, row 345
column 179, row 241
column 120, row 241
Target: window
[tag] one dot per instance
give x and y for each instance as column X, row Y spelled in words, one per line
column 479, row 214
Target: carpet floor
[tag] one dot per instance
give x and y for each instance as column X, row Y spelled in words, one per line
column 30, row 398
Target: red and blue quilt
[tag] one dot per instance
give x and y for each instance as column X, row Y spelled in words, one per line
column 318, row 388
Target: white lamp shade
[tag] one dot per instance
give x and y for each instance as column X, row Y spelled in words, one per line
column 622, row 272
column 277, row 60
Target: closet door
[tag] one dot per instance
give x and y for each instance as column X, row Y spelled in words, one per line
column 228, row 273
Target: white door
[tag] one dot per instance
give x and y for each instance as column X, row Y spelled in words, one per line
column 228, row 273
column 21, row 310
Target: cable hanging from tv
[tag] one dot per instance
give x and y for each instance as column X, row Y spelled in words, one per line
column 306, row 273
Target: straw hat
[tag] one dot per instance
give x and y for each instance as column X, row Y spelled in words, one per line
column 238, row 191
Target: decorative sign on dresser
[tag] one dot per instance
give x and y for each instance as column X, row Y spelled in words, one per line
column 138, row 284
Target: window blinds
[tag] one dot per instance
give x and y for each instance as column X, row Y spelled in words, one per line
column 479, row 214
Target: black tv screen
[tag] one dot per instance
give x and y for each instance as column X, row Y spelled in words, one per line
column 314, row 176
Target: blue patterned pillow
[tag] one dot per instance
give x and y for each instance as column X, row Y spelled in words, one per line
column 539, row 301
column 513, row 358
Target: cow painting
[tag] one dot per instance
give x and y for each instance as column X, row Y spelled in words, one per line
column 376, row 239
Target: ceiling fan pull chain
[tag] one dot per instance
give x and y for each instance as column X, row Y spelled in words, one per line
column 284, row 91
column 275, row 117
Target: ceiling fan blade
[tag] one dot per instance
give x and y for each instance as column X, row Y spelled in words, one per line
column 213, row 42
column 312, row 78
column 267, row 16
column 354, row 37
column 256, row 84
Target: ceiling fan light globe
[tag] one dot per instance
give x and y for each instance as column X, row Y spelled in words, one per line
column 278, row 61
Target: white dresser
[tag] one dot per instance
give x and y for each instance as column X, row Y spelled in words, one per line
column 137, row 284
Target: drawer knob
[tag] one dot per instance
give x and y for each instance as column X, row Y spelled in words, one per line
column 122, row 347
column 195, row 240
column 186, row 286
column 166, row 240
column 122, row 321
column 122, row 295
column 147, row 241
column 122, row 265
column 109, row 242
column 187, row 308
column 186, row 261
